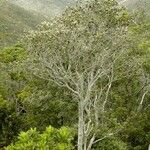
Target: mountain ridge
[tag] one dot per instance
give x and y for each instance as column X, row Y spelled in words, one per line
column 19, row 15
column 48, row 8
column 14, row 21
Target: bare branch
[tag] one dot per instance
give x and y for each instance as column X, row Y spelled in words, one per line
column 142, row 100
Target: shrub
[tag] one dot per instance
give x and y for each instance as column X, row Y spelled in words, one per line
column 50, row 139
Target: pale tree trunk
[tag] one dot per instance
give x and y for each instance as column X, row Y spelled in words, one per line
column 80, row 124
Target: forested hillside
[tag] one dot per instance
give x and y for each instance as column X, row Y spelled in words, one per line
column 136, row 4
column 74, row 78
column 14, row 21
column 48, row 8
column 19, row 16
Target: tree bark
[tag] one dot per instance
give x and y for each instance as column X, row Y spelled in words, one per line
column 80, row 124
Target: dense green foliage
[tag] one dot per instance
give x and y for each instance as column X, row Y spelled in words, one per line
column 51, row 138
column 19, row 90
column 31, row 103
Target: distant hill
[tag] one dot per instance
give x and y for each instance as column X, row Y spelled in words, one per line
column 44, row 7
column 14, row 20
column 16, row 16
column 134, row 4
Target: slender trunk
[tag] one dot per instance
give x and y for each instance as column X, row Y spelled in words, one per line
column 80, row 124
column 85, row 143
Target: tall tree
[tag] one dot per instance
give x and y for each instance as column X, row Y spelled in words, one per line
column 80, row 51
